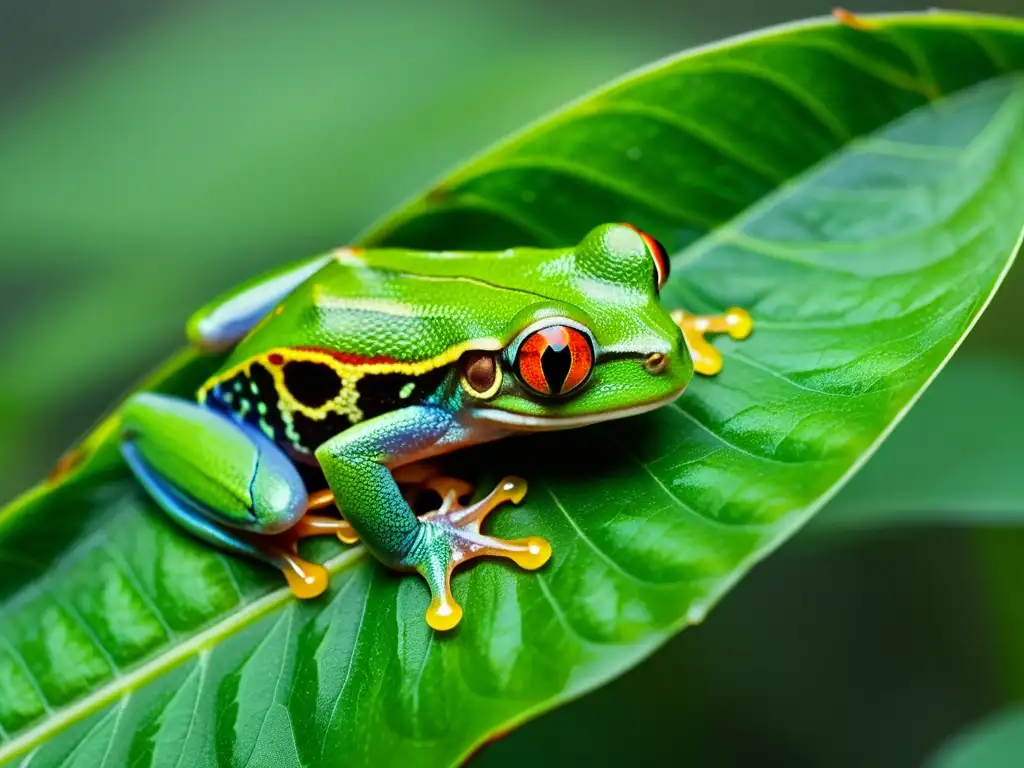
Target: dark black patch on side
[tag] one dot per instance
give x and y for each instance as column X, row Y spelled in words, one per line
column 311, row 383
column 556, row 365
column 268, row 394
column 228, row 397
column 381, row 392
column 312, row 433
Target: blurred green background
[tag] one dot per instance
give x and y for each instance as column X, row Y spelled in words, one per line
column 153, row 154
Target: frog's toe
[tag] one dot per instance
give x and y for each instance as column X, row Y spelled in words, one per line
column 451, row 536
column 443, row 613
column 318, row 525
column 443, row 486
column 460, row 546
column 306, row 580
column 706, row 359
column 739, row 323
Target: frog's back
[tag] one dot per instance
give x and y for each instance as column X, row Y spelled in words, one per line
column 359, row 339
column 403, row 305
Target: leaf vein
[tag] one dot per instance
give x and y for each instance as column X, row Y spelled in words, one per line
column 122, row 565
column 121, row 707
column 288, row 613
column 26, row 670
column 734, row 446
column 597, row 179
column 348, row 672
column 201, row 665
column 881, row 71
column 601, row 554
column 691, row 128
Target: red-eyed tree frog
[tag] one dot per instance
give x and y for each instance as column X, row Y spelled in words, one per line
column 365, row 363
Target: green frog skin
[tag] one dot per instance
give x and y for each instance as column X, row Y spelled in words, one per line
column 368, row 363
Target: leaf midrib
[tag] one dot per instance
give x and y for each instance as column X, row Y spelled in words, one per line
column 196, row 645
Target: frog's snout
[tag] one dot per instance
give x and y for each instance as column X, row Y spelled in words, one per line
column 668, row 360
column 672, row 367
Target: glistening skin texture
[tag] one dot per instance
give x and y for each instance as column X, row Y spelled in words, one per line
column 365, row 363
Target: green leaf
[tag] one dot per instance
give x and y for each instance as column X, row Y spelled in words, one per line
column 996, row 742
column 954, row 459
column 802, row 172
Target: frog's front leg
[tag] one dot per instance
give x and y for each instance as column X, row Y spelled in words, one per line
column 357, row 465
column 706, row 359
column 225, row 483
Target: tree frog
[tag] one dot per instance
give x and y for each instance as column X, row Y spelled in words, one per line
column 365, row 363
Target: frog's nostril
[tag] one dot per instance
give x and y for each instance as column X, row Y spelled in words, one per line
column 656, row 363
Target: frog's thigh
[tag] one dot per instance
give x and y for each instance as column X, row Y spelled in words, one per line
column 218, row 480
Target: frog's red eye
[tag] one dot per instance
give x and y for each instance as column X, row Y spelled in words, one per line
column 662, row 264
column 554, row 360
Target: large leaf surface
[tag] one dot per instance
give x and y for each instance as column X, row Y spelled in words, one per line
column 802, row 173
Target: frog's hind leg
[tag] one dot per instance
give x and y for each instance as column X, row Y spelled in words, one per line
column 706, row 359
column 222, row 482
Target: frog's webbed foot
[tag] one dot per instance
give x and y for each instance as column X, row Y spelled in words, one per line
column 706, row 359
column 450, row 536
column 423, row 477
column 307, row 580
column 414, row 479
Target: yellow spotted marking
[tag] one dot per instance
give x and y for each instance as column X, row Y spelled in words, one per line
column 346, row 402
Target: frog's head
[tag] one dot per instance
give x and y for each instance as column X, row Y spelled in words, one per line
column 600, row 346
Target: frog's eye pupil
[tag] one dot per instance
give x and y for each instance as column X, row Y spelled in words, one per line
column 554, row 360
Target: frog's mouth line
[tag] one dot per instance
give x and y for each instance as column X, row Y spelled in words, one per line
column 526, row 421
